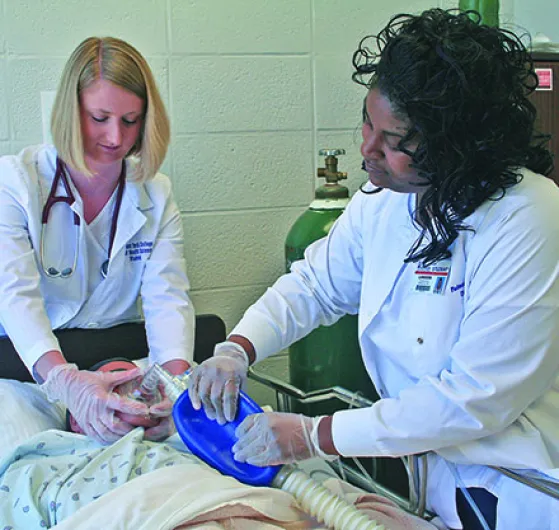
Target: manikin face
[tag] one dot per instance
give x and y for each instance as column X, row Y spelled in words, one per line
column 386, row 165
column 111, row 120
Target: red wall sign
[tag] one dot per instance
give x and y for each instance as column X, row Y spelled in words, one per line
column 545, row 78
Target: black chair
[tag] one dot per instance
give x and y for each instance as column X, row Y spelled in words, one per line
column 86, row 347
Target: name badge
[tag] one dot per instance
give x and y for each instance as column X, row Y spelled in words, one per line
column 432, row 279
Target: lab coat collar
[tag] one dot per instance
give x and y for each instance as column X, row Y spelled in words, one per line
column 135, row 199
column 136, row 192
column 44, row 161
column 399, row 238
column 133, row 191
column 131, row 217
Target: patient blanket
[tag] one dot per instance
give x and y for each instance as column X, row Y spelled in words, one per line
column 68, row 480
column 65, row 479
column 55, row 473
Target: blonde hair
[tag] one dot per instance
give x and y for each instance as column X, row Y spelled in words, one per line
column 120, row 63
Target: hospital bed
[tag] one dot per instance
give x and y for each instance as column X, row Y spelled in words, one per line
column 190, row 491
column 51, row 477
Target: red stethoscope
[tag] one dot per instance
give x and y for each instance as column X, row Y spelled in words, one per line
column 61, row 176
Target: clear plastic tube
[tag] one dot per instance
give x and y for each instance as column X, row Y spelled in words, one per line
column 174, row 385
column 467, row 495
column 325, row 506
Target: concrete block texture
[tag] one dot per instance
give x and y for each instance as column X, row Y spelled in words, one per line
column 4, row 127
column 5, row 148
column 228, row 303
column 339, row 26
column 43, row 28
column 338, row 99
column 236, row 249
column 160, row 68
column 256, row 93
column 2, row 29
column 243, row 171
column 240, row 27
column 26, row 78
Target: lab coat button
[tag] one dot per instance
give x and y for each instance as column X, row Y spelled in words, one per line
column 419, row 340
column 92, row 325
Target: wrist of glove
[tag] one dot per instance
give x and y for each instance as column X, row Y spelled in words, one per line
column 232, row 350
column 274, row 438
column 90, row 398
column 215, row 384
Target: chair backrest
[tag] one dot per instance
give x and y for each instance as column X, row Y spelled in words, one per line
column 85, row 347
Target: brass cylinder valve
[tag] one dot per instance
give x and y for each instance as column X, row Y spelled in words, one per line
column 330, row 172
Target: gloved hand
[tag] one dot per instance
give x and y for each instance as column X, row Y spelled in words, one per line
column 273, row 438
column 216, row 382
column 90, row 398
column 166, row 426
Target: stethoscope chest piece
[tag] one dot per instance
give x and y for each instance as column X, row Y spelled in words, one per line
column 105, row 268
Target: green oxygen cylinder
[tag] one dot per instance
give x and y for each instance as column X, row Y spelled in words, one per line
column 488, row 9
column 328, row 356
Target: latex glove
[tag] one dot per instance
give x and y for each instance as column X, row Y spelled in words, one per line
column 90, row 398
column 273, row 438
column 166, row 426
column 216, row 382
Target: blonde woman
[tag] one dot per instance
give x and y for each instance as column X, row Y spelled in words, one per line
column 89, row 231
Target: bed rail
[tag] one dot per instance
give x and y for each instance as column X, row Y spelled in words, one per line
column 285, row 391
column 416, row 465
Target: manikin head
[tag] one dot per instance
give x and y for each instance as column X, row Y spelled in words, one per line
column 117, row 364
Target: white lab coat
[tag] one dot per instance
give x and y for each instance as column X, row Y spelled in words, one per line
column 147, row 261
column 472, row 374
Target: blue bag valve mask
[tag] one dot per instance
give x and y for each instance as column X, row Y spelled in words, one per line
column 208, row 440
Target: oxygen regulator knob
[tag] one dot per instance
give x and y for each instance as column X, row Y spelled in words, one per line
column 330, row 172
column 331, row 152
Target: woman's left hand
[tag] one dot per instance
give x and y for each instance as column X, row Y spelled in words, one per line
column 272, row 438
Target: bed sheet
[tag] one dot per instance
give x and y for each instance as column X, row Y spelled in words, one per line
column 65, row 479
column 52, row 477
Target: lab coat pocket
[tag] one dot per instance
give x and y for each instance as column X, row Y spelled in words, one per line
column 434, row 329
column 416, row 316
column 59, row 313
column 116, row 296
column 129, row 271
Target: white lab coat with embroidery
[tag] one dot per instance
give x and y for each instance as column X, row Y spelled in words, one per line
column 32, row 304
column 472, row 374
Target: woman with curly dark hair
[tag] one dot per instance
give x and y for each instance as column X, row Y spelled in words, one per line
column 450, row 256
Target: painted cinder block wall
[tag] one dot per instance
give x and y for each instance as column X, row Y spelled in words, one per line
column 253, row 90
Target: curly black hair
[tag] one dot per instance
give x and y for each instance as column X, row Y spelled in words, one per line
column 464, row 88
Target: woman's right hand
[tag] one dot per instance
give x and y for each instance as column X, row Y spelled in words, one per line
column 215, row 384
column 90, row 398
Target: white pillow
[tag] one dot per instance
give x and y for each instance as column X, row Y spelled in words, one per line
column 24, row 412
